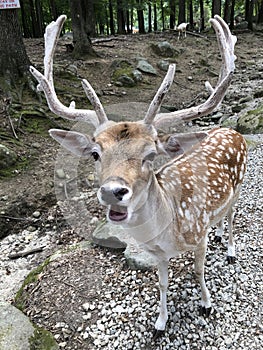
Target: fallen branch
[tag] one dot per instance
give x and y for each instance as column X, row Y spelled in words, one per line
column 25, row 253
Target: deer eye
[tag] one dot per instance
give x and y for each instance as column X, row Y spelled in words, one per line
column 95, row 155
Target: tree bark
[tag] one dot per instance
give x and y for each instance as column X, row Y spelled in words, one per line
column 14, row 62
column 181, row 14
column 120, row 17
column 232, row 14
column 191, row 14
column 112, row 29
column 216, row 7
column 172, row 13
column 202, row 16
column 149, row 17
column 227, row 11
column 140, row 17
column 155, row 22
column 82, row 43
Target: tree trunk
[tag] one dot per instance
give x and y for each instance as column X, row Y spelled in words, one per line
column 120, row 17
column 172, row 13
column 216, row 7
column 202, row 16
column 25, row 21
column 40, row 20
column 112, row 29
column 227, row 11
column 260, row 13
column 140, row 17
column 82, row 43
column 89, row 17
column 14, row 62
column 53, row 10
column 191, row 15
column 149, row 18
column 249, row 13
column 181, row 14
column 155, row 22
column 232, row 14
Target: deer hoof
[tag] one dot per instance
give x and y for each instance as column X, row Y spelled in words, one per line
column 231, row 259
column 205, row 311
column 218, row 239
column 157, row 334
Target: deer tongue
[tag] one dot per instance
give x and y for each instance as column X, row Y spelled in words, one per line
column 118, row 213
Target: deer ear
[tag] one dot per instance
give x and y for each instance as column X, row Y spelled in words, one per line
column 176, row 144
column 73, row 141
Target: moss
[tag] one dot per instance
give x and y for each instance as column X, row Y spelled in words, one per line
column 121, row 68
column 22, row 164
column 21, row 296
column 42, row 340
column 251, row 122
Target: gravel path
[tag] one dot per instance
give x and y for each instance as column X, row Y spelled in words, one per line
column 89, row 299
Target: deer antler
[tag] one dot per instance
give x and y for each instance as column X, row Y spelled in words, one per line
column 98, row 116
column 226, row 42
column 158, row 98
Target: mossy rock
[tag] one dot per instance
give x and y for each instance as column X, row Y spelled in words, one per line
column 7, row 157
column 251, row 122
column 18, row 333
column 123, row 73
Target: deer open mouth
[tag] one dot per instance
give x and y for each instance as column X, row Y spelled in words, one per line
column 118, row 213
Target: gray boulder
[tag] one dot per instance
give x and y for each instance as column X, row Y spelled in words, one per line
column 146, row 67
column 163, row 65
column 7, row 157
column 164, row 49
column 251, row 122
column 18, row 333
column 115, row 237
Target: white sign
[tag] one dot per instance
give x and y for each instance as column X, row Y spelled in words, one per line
column 9, row 4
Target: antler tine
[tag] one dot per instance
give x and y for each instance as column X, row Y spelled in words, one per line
column 159, row 96
column 226, row 42
column 46, row 83
column 95, row 101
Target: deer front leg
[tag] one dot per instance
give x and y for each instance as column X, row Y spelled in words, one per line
column 163, row 285
column 199, row 271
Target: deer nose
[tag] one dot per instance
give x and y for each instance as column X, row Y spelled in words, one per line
column 114, row 193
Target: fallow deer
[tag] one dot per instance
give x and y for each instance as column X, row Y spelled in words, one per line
column 181, row 28
column 168, row 211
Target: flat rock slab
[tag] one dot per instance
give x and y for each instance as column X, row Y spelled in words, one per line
column 15, row 328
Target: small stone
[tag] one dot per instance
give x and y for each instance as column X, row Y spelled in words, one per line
column 60, row 174
column 36, row 214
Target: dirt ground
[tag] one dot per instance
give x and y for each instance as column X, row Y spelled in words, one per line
column 30, row 186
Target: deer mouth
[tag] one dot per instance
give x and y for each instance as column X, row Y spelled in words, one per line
column 118, row 213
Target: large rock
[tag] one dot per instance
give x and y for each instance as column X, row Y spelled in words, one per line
column 18, row 333
column 7, row 157
column 164, row 49
column 251, row 122
column 146, row 67
column 113, row 236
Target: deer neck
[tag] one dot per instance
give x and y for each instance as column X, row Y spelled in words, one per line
column 152, row 215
